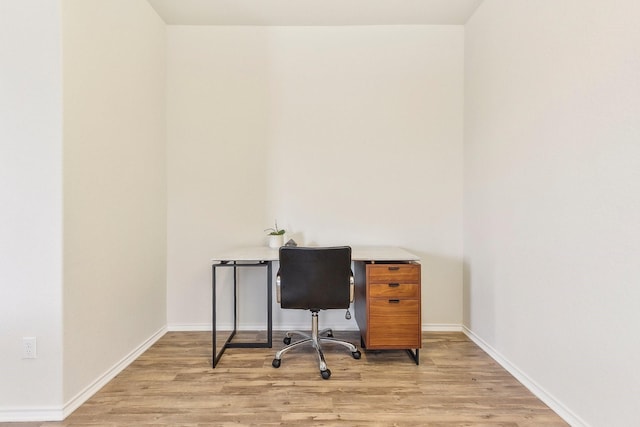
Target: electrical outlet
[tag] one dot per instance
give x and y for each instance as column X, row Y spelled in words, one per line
column 29, row 347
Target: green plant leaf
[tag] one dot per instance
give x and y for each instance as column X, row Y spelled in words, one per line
column 275, row 231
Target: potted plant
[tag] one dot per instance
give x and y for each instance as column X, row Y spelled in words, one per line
column 276, row 236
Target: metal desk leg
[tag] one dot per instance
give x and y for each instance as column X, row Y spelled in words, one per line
column 228, row 344
column 269, row 304
column 214, row 356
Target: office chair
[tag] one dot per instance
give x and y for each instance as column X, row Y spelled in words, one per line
column 315, row 279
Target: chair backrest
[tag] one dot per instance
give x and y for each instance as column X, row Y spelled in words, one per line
column 315, row 278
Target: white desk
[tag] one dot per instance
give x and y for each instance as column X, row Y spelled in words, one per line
column 263, row 256
column 358, row 253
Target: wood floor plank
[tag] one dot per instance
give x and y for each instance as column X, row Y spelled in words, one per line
column 173, row 384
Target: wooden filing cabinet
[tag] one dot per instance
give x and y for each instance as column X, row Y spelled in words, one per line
column 387, row 306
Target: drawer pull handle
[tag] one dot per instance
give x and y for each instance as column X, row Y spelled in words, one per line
column 394, row 285
column 394, row 268
column 394, row 301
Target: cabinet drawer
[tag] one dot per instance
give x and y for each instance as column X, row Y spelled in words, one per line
column 394, row 290
column 393, row 273
column 394, row 323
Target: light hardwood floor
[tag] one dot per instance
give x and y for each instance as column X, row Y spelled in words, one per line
column 173, row 384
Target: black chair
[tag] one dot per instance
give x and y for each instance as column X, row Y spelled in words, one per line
column 315, row 279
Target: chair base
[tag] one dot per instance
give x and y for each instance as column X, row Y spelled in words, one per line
column 315, row 339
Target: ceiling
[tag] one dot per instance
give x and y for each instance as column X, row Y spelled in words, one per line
column 315, row 12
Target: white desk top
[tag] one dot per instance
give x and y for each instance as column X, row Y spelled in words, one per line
column 358, row 253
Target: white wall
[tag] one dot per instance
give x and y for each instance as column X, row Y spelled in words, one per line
column 552, row 198
column 31, row 206
column 114, row 184
column 343, row 134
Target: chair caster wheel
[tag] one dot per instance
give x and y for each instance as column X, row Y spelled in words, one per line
column 356, row 354
column 276, row 363
column 330, row 334
column 325, row 374
column 287, row 340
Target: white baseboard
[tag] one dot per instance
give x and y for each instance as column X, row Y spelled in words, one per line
column 562, row 411
column 441, row 327
column 307, row 327
column 195, row 327
column 103, row 379
column 31, row 414
column 60, row 413
column 190, row 327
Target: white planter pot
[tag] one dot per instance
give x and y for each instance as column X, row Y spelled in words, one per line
column 276, row 241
